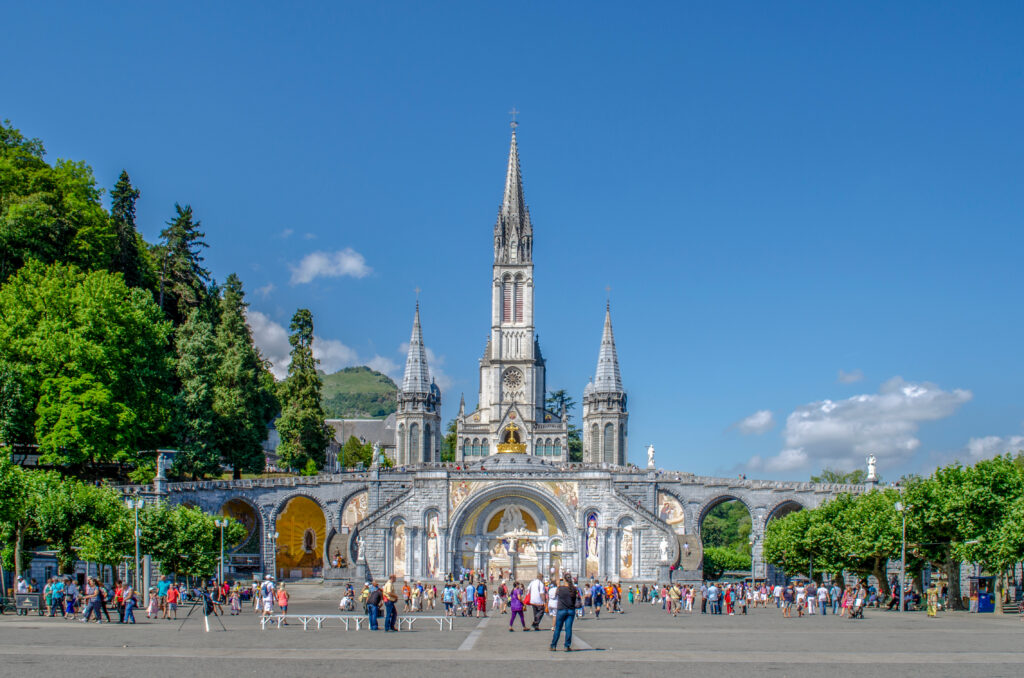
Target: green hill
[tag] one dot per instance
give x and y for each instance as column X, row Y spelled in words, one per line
column 358, row 392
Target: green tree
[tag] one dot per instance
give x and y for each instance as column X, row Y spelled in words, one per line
column 48, row 213
column 304, row 435
column 19, row 492
column 787, row 543
column 354, row 452
column 243, row 395
column 92, row 365
column 195, row 420
column 449, row 444
column 727, row 526
column 182, row 277
column 67, row 510
column 855, row 477
column 186, row 541
column 554, row 402
column 718, row 560
column 128, row 258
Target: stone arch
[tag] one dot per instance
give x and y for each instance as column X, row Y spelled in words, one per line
column 720, row 499
column 247, row 512
column 303, row 524
column 783, row 508
column 469, row 513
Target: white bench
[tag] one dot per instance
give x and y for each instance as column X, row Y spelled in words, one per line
column 347, row 619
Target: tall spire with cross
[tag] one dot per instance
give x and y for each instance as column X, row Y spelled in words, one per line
column 608, row 378
column 513, row 232
column 417, row 373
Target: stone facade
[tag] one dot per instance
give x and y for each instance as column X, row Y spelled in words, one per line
column 433, row 520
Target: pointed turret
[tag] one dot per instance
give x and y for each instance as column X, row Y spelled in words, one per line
column 513, row 233
column 417, row 372
column 608, row 379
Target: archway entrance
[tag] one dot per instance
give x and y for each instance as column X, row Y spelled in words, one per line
column 776, row 575
column 725, row 529
column 301, row 529
column 511, row 535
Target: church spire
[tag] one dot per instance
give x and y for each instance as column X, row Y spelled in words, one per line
column 513, row 233
column 417, row 373
column 608, row 379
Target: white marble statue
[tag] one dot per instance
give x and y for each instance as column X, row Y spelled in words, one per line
column 376, row 455
column 361, row 549
column 650, row 456
column 663, row 547
column 511, row 520
column 872, row 462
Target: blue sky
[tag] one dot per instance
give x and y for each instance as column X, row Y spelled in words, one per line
column 809, row 214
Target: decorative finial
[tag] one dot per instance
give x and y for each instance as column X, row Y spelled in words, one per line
column 418, row 298
column 608, row 298
column 514, row 113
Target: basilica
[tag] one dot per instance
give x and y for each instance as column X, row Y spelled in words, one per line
column 512, row 504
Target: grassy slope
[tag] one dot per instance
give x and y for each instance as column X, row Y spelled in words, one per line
column 358, row 392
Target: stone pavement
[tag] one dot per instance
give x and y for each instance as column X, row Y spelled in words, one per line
column 644, row 641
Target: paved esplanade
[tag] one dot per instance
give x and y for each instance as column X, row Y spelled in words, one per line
column 644, row 641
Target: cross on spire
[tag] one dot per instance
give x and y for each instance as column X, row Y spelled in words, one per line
column 514, row 113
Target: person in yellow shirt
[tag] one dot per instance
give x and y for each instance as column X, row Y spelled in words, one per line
column 390, row 598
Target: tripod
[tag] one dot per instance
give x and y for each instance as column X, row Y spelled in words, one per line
column 208, row 609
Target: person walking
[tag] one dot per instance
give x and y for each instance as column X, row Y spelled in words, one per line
column 566, row 606
column 129, row 604
column 516, row 607
column 536, row 596
column 390, row 600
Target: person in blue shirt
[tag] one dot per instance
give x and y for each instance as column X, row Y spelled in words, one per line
column 596, row 599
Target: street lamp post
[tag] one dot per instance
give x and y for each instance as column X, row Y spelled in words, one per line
column 221, row 523
column 135, row 503
column 903, row 556
column 752, row 540
column 273, row 536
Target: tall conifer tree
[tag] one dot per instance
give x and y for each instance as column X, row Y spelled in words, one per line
column 243, row 395
column 195, row 423
column 127, row 257
column 182, row 276
column 304, row 435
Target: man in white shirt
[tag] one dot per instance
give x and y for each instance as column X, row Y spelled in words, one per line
column 538, row 596
column 777, row 595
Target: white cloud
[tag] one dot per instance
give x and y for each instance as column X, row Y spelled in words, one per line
column 333, row 355
column 265, row 290
column 346, row 262
column 759, row 422
column 271, row 339
column 851, row 377
column 991, row 446
column 309, row 236
column 840, row 434
column 286, row 232
column 384, row 365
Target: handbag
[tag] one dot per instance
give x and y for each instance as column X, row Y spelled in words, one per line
column 526, row 600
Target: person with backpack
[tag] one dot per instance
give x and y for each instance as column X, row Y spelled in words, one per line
column 448, row 598
column 597, row 599
column 481, row 599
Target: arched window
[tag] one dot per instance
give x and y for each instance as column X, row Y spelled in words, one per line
column 595, row 443
column 428, row 444
column 519, row 299
column 485, row 448
column 414, row 444
column 506, row 300
column 401, row 443
column 609, row 444
column 557, row 448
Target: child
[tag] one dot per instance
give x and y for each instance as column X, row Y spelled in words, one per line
column 153, row 609
column 173, row 595
column 236, row 601
column 282, row 600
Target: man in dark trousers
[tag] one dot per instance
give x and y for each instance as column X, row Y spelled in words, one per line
column 373, row 602
column 538, row 596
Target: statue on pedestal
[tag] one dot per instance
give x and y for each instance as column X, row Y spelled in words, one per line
column 872, row 470
column 663, row 548
column 650, row 456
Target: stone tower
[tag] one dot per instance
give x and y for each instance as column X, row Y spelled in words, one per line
column 510, row 414
column 418, row 417
column 605, row 418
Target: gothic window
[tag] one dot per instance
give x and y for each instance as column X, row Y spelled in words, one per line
column 485, row 448
column 557, row 448
column 428, row 445
column 414, row 444
column 609, row 443
column 595, row 443
column 401, row 444
column 519, row 300
column 506, row 301
column 512, row 382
